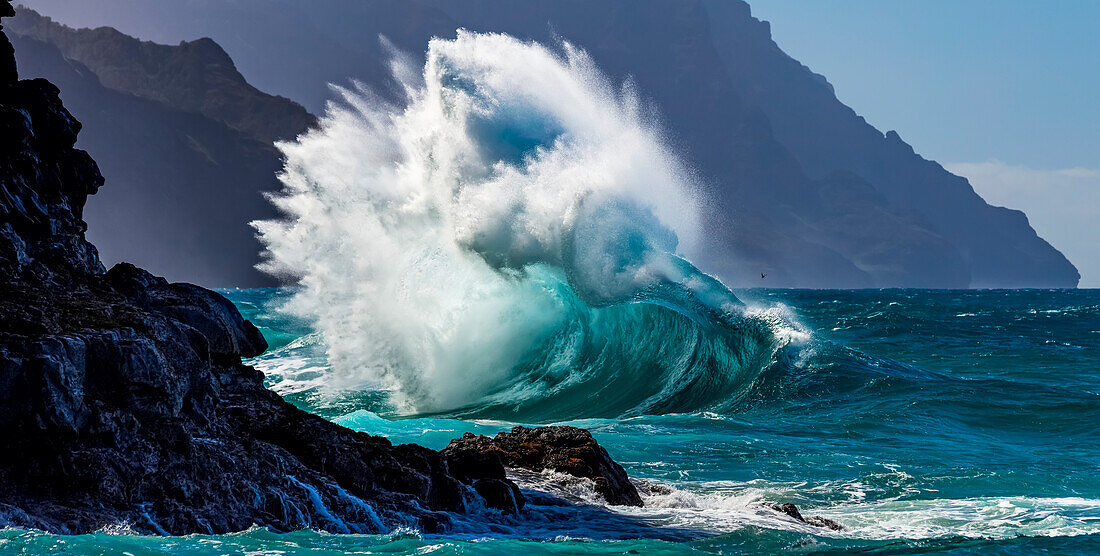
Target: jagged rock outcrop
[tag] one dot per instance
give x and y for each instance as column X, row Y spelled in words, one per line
column 564, row 449
column 184, row 140
column 123, row 399
column 815, row 520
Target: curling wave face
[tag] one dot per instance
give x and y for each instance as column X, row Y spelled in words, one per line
column 511, row 242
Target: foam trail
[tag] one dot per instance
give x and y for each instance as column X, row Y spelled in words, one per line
column 511, row 241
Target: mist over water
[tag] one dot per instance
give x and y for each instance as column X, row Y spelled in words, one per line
column 512, row 245
column 512, row 241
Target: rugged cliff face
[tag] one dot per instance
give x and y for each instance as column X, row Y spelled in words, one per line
column 185, row 142
column 800, row 187
column 827, row 138
column 123, row 399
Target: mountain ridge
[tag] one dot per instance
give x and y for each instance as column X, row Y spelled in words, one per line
column 798, row 185
column 827, row 136
column 184, row 184
column 194, row 76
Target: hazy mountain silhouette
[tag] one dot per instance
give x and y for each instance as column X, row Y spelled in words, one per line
column 184, row 143
column 827, row 137
column 196, row 76
column 801, row 187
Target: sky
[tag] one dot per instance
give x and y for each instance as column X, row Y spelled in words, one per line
column 1003, row 92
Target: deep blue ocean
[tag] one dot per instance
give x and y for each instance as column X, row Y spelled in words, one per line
column 922, row 421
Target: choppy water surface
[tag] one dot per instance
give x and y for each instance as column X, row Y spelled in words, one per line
column 921, row 420
column 514, row 243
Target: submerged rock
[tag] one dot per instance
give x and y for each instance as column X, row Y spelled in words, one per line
column 564, row 449
column 815, row 520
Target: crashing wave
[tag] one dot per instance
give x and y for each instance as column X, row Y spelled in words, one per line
column 513, row 242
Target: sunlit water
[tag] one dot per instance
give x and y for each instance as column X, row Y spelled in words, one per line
column 515, row 241
column 920, row 420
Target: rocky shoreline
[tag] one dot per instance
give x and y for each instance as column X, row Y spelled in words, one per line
column 124, row 400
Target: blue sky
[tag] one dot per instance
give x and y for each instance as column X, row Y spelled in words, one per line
column 1005, row 92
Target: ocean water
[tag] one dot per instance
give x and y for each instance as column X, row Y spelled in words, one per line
column 923, row 421
column 516, row 244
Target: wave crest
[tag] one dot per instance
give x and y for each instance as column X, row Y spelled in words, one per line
column 511, row 241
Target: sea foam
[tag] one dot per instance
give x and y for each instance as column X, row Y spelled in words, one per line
column 486, row 243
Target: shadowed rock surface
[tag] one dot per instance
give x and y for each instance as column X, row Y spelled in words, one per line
column 815, row 520
column 123, row 399
column 564, row 449
column 184, row 140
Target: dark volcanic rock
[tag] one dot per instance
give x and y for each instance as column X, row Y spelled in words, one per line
column 501, row 494
column 123, row 398
column 815, row 520
column 564, row 449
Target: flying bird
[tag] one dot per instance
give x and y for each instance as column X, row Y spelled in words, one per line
column 762, row 275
